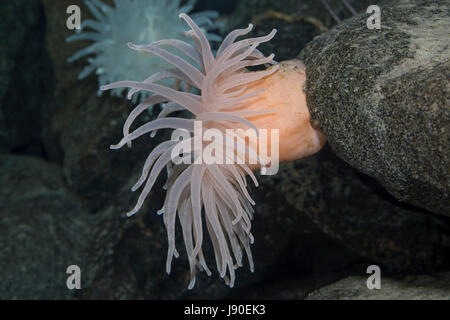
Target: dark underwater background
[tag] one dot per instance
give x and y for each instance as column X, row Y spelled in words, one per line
column 63, row 192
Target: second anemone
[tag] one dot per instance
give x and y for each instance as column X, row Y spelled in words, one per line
column 137, row 21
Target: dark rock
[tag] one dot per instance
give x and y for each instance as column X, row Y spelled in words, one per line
column 24, row 75
column 359, row 213
column 381, row 98
column 292, row 34
column 43, row 230
column 297, row 22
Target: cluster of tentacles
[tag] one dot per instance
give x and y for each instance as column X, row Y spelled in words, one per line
column 218, row 190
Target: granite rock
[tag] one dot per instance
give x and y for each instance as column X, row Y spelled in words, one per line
column 381, row 96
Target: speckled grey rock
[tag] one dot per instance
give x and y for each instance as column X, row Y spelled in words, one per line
column 382, row 98
column 43, row 230
column 25, row 75
column 415, row 287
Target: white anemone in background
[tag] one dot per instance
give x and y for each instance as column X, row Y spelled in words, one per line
column 137, row 21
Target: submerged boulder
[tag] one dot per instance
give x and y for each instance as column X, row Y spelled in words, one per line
column 43, row 230
column 381, row 96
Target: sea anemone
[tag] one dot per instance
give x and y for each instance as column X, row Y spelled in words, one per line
column 138, row 21
column 231, row 97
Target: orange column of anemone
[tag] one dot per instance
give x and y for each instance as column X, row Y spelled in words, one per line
column 284, row 93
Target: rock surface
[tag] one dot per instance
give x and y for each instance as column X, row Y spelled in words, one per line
column 43, row 230
column 382, row 98
column 415, row 287
column 355, row 210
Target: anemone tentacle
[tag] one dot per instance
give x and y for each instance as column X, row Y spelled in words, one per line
column 202, row 194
